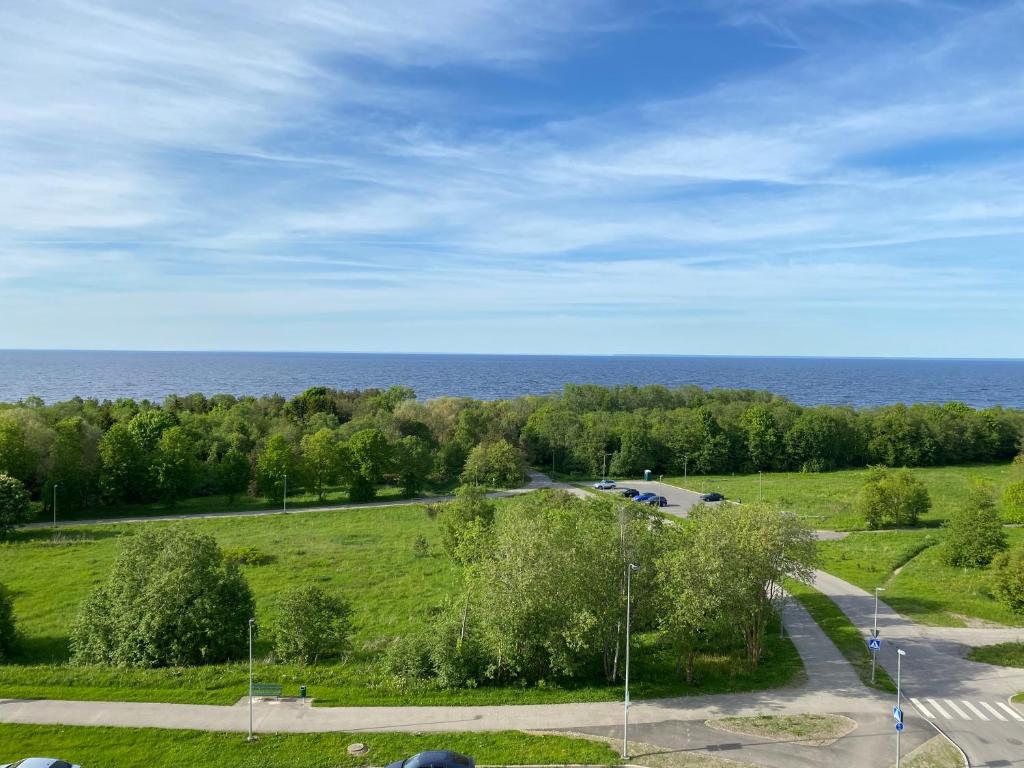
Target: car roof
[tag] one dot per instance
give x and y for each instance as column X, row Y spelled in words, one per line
column 42, row 762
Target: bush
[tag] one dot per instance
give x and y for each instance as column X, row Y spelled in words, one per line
column 464, row 523
column 247, row 556
column 7, row 629
column 14, row 508
column 1008, row 581
column 892, row 498
column 1013, row 502
column 311, row 624
column 975, row 533
column 171, row 599
column 498, row 464
column 420, row 547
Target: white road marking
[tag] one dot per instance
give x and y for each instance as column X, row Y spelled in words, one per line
column 993, row 710
column 923, row 709
column 938, row 707
column 1013, row 712
column 955, row 708
column 974, row 709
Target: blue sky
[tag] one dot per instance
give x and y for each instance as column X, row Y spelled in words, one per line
column 791, row 177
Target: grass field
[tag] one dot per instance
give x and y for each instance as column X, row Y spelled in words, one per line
column 847, row 638
column 97, row 747
column 1003, row 654
column 923, row 588
column 366, row 554
column 826, row 498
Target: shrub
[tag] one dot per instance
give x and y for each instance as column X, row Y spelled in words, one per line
column 420, row 547
column 7, row 629
column 499, row 464
column 464, row 522
column 892, row 498
column 1008, row 581
column 974, row 533
column 311, row 624
column 247, row 556
column 1013, row 502
column 14, row 507
column 170, row 600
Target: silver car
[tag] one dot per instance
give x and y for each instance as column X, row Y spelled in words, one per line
column 40, row 762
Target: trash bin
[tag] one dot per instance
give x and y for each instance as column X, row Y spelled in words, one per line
column 302, row 691
column 647, row 474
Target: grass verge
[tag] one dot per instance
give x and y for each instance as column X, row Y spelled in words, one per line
column 937, row 752
column 1002, row 654
column 807, row 730
column 102, row 747
column 847, row 638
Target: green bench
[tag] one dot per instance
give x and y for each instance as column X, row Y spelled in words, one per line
column 265, row 690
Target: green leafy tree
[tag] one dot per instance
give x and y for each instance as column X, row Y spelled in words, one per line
column 16, row 459
column 170, row 600
column 14, row 505
column 974, row 533
column 1013, row 502
column 275, row 463
column 464, row 522
column 497, row 464
column 415, row 462
column 175, row 465
column 233, row 473
column 370, row 459
column 311, row 624
column 124, row 467
column 1008, row 579
column 891, row 497
column 74, row 463
column 762, row 435
column 322, row 460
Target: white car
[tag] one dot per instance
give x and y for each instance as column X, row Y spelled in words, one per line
column 40, row 762
column 605, row 485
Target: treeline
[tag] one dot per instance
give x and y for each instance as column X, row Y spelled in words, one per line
column 127, row 451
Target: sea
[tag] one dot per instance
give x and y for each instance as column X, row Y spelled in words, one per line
column 57, row 375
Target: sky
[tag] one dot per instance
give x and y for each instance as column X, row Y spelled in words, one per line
column 769, row 177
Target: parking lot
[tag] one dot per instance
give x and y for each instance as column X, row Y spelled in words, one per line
column 680, row 500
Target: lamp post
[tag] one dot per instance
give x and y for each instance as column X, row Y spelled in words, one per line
column 686, row 460
column 900, row 653
column 760, row 486
column 604, row 465
column 55, row 487
column 284, row 499
column 631, row 568
column 874, row 633
column 250, row 737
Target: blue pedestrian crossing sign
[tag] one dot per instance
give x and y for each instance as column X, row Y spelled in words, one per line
column 874, row 643
column 899, row 726
column 897, row 714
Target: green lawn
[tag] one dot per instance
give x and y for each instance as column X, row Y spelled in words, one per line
column 925, row 589
column 826, row 498
column 847, row 638
column 367, row 554
column 97, row 747
column 1002, row 654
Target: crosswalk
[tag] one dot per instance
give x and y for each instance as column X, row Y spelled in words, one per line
column 960, row 709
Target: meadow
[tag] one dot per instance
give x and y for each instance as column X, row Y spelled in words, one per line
column 365, row 554
column 826, row 499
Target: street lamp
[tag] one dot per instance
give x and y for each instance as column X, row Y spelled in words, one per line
column 686, row 460
column 874, row 632
column 900, row 653
column 604, row 465
column 630, row 570
column 55, row 487
column 250, row 737
column 760, row 485
column 284, row 498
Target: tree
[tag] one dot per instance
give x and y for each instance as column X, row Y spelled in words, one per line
column 891, row 497
column 322, row 460
column 764, row 441
column 1013, row 502
column 370, row 459
column 14, row 505
column 415, row 462
column 175, row 466
column 275, row 463
column 311, row 624
column 233, row 473
column 464, row 523
column 974, row 533
column 8, row 633
column 170, row 599
column 1008, row 581
column 497, row 464
column 74, row 462
column 124, row 467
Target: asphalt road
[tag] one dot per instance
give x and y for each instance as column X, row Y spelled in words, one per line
column 680, row 500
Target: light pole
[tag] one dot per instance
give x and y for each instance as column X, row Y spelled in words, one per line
column 55, row 487
column 874, row 632
column 604, row 465
column 284, row 499
column 250, row 737
column 625, row 708
column 900, row 653
column 686, row 460
column 760, row 486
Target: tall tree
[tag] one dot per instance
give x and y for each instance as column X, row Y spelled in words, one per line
column 175, row 465
column 370, row 459
column 322, row 460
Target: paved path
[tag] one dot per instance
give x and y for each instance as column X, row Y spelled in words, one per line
column 968, row 700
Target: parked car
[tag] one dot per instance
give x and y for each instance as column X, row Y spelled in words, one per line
column 40, row 762
column 656, row 501
column 440, row 758
column 644, row 496
column 605, row 485
column 630, row 493
column 713, row 496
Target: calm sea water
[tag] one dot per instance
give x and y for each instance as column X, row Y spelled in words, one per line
column 59, row 375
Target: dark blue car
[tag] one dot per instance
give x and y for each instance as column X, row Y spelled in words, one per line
column 656, row 501
column 440, row 758
column 644, row 496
